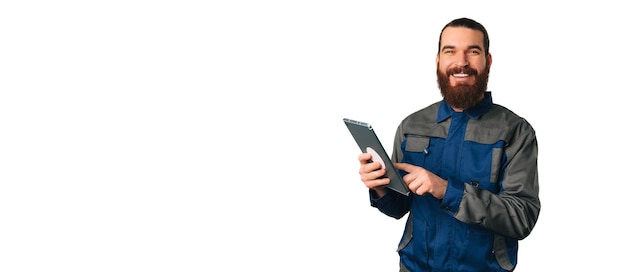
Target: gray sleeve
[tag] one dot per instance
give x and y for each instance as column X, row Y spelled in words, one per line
column 396, row 155
column 515, row 210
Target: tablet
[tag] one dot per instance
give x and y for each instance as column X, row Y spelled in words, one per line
column 368, row 142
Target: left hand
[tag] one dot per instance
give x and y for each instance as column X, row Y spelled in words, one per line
column 422, row 181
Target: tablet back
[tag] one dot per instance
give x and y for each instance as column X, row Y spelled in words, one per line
column 368, row 142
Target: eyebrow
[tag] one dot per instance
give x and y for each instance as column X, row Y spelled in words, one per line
column 469, row 47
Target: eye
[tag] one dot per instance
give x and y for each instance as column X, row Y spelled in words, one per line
column 474, row 52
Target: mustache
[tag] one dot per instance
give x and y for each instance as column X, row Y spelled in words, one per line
column 462, row 70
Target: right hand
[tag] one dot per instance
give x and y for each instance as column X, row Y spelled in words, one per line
column 370, row 174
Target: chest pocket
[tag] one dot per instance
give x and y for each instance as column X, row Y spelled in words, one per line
column 423, row 151
column 415, row 149
column 481, row 165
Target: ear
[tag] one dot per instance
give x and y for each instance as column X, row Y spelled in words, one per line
column 489, row 60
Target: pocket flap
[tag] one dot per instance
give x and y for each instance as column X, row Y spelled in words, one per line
column 417, row 143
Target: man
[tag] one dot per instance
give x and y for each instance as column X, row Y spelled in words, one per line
column 471, row 164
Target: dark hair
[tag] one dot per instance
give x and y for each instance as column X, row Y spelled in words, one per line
column 468, row 23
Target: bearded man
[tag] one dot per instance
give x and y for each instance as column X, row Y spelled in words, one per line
column 471, row 165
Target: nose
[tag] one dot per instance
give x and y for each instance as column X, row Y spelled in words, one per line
column 461, row 60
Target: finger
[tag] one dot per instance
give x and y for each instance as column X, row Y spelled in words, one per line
column 409, row 178
column 364, row 158
column 372, row 175
column 370, row 167
column 405, row 166
column 421, row 190
column 376, row 183
column 414, row 183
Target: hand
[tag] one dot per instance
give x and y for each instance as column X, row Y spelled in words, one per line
column 370, row 174
column 422, row 181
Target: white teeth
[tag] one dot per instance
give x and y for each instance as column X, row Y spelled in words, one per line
column 460, row 75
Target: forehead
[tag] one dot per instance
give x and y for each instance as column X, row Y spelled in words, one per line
column 461, row 37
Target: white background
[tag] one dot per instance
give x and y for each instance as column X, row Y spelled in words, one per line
column 207, row 136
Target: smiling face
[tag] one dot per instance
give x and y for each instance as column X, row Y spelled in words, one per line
column 462, row 67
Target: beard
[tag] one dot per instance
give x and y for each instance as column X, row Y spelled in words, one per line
column 463, row 96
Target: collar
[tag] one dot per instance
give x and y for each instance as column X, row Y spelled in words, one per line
column 445, row 111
